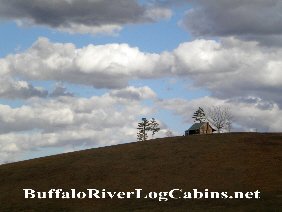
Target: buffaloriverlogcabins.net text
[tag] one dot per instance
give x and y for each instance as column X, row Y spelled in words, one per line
column 176, row 193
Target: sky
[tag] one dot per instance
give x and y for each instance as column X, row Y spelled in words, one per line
column 79, row 74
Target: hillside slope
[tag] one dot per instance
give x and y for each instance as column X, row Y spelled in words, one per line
column 225, row 162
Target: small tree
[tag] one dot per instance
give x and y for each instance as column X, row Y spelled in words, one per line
column 140, row 135
column 154, row 127
column 220, row 117
column 143, row 128
column 199, row 115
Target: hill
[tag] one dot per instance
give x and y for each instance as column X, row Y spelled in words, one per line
column 219, row 162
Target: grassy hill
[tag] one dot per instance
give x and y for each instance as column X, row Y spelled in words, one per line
column 219, row 162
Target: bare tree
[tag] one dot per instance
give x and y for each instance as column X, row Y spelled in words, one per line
column 229, row 119
column 220, row 117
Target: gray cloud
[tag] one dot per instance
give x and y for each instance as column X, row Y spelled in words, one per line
column 133, row 93
column 60, row 90
column 259, row 103
column 254, row 19
column 82, row 16
column 265, row 40
column 13, row 89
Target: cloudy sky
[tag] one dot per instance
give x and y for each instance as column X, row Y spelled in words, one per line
column 79, row 74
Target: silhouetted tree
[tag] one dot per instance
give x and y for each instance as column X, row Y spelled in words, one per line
column 143, row 127
column 199, row 115
column 154, row 125
column 141, row 136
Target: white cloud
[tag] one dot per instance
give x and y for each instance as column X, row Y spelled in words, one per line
column 227, row 68
column 103, row 66
column 72, row 121
column 232, row 68
column 109, row 29
column 247, row 116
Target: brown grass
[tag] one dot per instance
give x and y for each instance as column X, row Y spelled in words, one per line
column 219, row 162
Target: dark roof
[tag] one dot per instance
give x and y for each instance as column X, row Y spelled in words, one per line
column 197, row 126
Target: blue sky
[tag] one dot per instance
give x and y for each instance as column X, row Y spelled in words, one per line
column 149, row 37
column 78, row 71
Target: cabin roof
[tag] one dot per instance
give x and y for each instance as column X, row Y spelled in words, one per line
column 197, row 126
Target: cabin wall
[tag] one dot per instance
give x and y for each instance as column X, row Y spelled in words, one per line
column 206, row 129
column 209, row 129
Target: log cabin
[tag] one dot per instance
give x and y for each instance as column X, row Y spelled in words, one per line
column 200, row 128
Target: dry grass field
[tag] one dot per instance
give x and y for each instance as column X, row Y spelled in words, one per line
column 218, row 162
